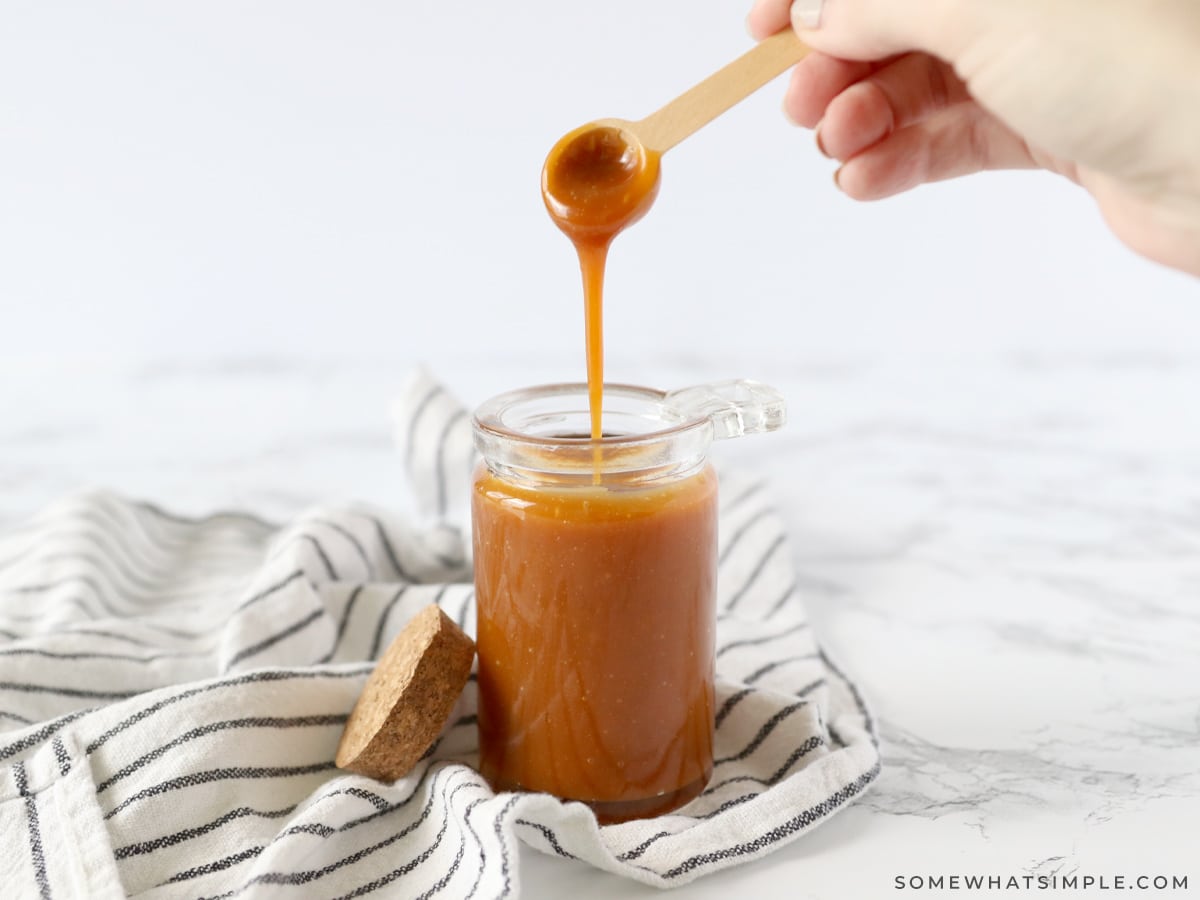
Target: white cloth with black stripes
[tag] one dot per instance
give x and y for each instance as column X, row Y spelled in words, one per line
column 172, row 692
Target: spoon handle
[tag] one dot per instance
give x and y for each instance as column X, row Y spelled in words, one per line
column 699, row 105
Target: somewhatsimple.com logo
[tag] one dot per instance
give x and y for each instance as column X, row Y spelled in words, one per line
column 1072, row 882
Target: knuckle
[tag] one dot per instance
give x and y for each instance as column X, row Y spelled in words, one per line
column 937, row 79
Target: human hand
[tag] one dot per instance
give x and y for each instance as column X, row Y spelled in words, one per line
column 1106, row 93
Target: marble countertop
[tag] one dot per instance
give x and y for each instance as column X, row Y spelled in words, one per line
column 1003, row 551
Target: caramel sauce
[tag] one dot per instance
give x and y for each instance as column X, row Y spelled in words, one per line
column 596, row 601
column 595, row 632
column 596, row 182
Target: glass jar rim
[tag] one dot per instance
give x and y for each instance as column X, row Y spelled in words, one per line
column 543, row 432
column 489, row 416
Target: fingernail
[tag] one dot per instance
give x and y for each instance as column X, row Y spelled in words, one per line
column 820, row 146
column 837, row 174
column 807, row 13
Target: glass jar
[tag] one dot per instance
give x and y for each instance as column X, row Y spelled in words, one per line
column 595, row 577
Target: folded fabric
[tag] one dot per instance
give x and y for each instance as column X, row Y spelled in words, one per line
column 172, row 692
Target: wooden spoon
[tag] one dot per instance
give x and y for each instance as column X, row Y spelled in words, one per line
column 696, row 107
column 602, row 177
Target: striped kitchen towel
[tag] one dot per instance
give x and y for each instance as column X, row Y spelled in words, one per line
column 172, row 691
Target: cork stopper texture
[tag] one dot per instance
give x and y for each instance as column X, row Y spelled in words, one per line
column 408, row 697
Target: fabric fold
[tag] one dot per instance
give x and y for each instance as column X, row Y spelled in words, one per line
column 172, row 691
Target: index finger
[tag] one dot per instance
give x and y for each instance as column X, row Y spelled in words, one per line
column 767, row 17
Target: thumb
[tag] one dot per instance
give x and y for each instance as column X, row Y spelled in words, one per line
column 876, row 29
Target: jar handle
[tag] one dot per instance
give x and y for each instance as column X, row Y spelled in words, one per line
column 735, row 408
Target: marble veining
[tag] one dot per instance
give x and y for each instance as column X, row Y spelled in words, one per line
column 1002, row 551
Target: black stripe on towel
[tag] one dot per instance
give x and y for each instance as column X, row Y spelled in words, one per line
column 549, row 835
column 738, row 499
column 80, row 603
column 410, row 444
column 264, row 675
column 643, row 846
column 87, row 581
column 178, row 519
column 758, row 570
column 730, row 702
column 36, row 853
column 462, row 849
column 390, row 551
column 377, row 644
column 122, row 657
column 504, row 864
column 754, row 642
column 374, row 799
column 324, row 830
column 813, row 742
column 267, row 592
column 168, row 840
column 79, row 693
column 858, row 700
column 354, row 542
column 479, row 844
column 99, row 527
column 217, row 865
column 132, row 581
column 178, row 837
column 275, row 722
column 763, row 733
column 41, row 734
column 110, row 635
column 461, row 618
column 758, row 673
column 736, row 537
column 307, row 876
column 469, row 719
column 440, row 471
column 729, row 804
column 386, row 808
column 400, row 872
column 315, row 828
column 210, row 776
column 810, row 687
column 61, row 755
column 780, row 832
column 324, row 557
column 383, row 617
column 783, row 599
column 341, row 632
column 737, row 801
column 271, row 640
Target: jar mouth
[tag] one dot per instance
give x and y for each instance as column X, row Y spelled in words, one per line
column 547, row 430
column 559, row 414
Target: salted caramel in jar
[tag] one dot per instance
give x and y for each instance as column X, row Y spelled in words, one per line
column 595, row 575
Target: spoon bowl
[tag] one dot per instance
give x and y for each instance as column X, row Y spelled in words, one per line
column 599, row 179
column 602, row 177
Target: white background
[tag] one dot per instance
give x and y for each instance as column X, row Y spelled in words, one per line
column 297, row 178
column 228, row 229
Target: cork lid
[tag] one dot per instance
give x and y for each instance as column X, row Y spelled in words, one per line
column 408, row 697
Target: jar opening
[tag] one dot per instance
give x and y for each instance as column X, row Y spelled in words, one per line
column 545, row 431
